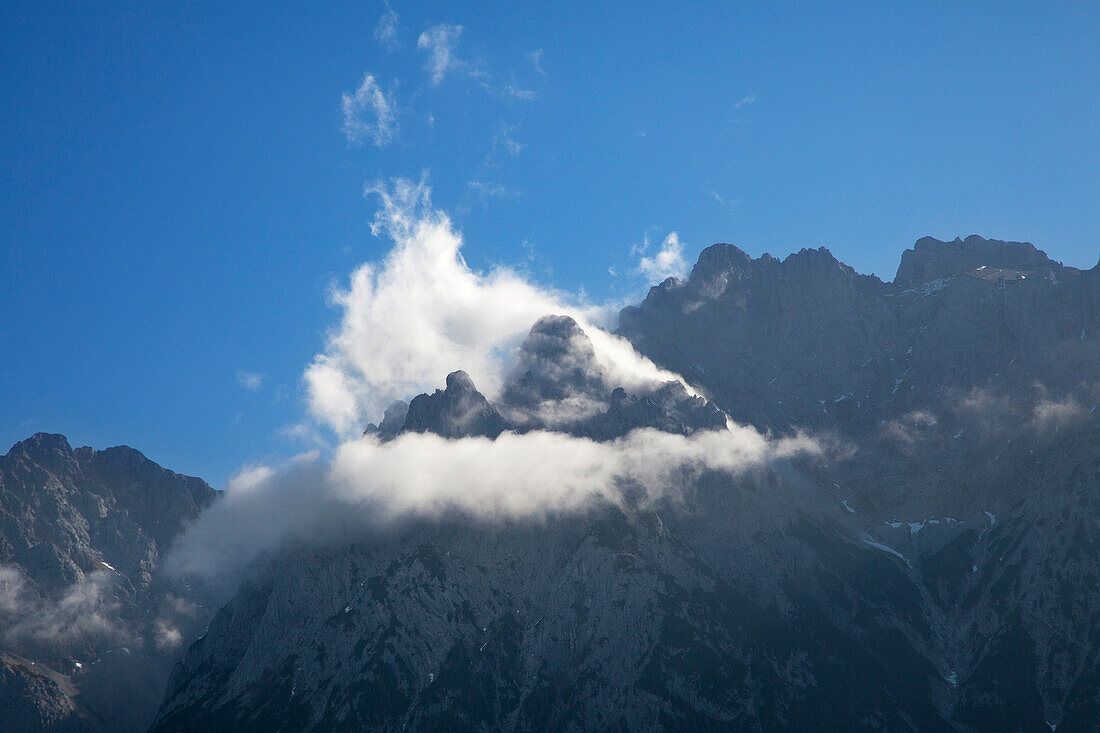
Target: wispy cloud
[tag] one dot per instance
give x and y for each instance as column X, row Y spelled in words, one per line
column 385, row 33
column 251, row 381
column 745, row 101
column 725, row 203
column 369, row 113
column 535, row 57
column 487, row 190
column 512, row 89
column 503, row 142
column 441, row 44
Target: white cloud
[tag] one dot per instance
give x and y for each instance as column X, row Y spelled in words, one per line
column 512, row 89
column 487, row 190
column 514, row 476
column 1053, row 414
column 509, row 477
column 668, row 262
column 503, row 140
column 745, row 101
column 249, row 476
column 422, row 312
column 251, row 381
column 385, row 33
column 535, row 57
column 722, row 201
column 441, row 44
column 369, row 113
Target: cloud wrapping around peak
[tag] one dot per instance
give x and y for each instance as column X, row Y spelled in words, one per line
column 422, row 313
column 369, row 113
column 668, row 262
column 370, row 485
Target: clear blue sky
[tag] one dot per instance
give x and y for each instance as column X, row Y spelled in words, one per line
column 178, row 194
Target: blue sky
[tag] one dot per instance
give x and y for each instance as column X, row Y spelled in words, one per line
column 182, row 186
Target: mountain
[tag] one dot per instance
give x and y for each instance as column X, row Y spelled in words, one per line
column 88, row 629
column 966, row 391
column 935, row 569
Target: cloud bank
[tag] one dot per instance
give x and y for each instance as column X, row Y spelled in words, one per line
column 371, row 483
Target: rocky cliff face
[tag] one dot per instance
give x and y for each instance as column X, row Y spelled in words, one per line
column 935, row 569
column 89, row 627
column 808, row 341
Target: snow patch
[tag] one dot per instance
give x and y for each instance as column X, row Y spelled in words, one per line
column 879, row 546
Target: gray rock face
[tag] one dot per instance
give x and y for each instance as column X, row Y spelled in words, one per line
column 619, row 619
column 559, row 385
column 81, row 532
column 392, row 421
column 931, row 259
column 459, row 411
column 557, row 364
column 808, row 341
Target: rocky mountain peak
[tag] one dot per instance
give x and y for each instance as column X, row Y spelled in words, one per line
column 931, row 259
column 458, row 383
column 556, row 362
column 46, row 450
column 458, row 411
column 85, row 614
column 718, row 260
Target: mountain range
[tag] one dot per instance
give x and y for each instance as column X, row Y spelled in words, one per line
column 933, row 565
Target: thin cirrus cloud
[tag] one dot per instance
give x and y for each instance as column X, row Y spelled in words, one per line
column 535, row 57
column 745, row 101
column 251, row 381
column 440, row 42
column 725, row 203
column 369, row 114
column 385, row 32
column 486, row 190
